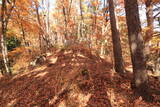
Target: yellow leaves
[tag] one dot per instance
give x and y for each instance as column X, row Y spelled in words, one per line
column 84, row 8
column 88, row 15
column 146, row 29
column 83, row 0
column 14, row 53
column 155, row 39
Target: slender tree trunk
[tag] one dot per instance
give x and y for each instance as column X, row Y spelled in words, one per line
column 104, row 6
column 22, row 29
column 137, row 49
column 150, row 19
column 3, row 38
column 81, row 12
column 117, row 50
column 149, row 32
column 40, row 27
column 65, row 21
column 44, row 26
column 43, row 34
column 5, row 54
column 48, row 18
column 48, row 30
column 23, row 34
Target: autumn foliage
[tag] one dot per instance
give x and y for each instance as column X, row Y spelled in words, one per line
column 79, row 53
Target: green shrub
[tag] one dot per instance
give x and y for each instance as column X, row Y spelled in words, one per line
column 12, row 42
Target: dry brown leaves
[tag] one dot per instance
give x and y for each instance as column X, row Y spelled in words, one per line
column 98, row 87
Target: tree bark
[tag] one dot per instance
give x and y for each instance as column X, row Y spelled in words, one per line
column 65, row 21
column 149, row 32
column 136, row 43
column 3, row 38
column 81, row 12
column 43, row 32
column 40, row 26
column 117, row 50
column 150, row 19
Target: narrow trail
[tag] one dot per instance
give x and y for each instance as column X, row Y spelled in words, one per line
column 69, row 78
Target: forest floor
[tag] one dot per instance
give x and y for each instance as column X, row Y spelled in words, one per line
column 73, row 78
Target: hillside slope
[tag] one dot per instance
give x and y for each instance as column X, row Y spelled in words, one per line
column 71, row 78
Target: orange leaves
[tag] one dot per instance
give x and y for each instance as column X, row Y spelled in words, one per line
column 107, row 15
column 66, row 3
column 26, row 4
column 95, row 2
column 121, row 1
column 122, row 18
column 71, row 23
column 104, row 9
column 100, row 17
column 63, row 3
column 24, row 16
column 56, row 15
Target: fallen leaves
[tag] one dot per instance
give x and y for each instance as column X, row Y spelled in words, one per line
column 102, row 87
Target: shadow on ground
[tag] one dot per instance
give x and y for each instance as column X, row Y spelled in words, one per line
column 69, row 78
column 39, row 86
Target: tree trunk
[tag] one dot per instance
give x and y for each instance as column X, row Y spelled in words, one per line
column 3, row 39
column 23, row 35
column 81, row 12
column 65, row 22
column 149, row 32
column 140, row 80
column 104, row 6
column 40, row 26
column 150, row 19
column 5, row 55
column 117, row 50
column 43, row 34
column 48, row 18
